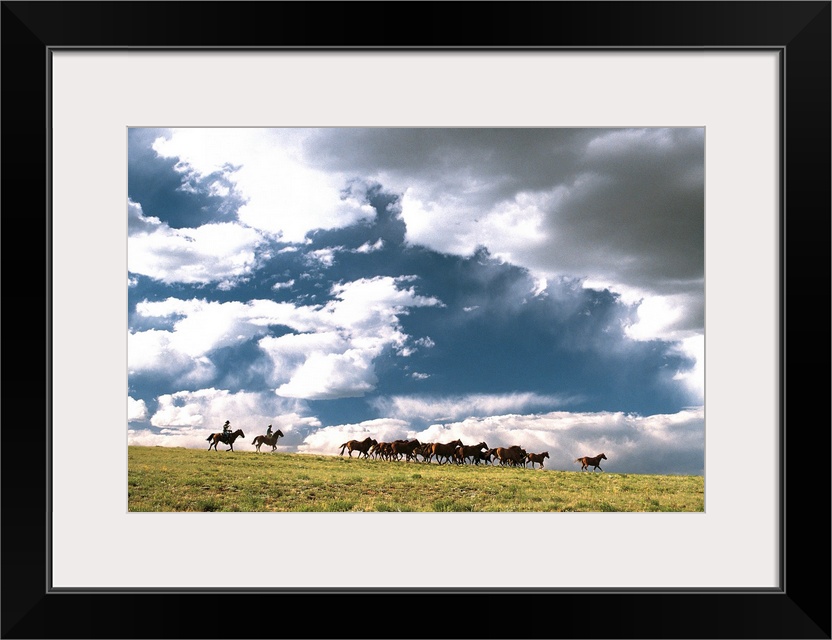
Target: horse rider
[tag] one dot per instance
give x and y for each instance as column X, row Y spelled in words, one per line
column 226, row 429
column 269, row 432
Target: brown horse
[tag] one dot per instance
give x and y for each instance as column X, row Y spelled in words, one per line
column 271, row 441
column 406, row 448
column 484, row 456
column 471, row 451
column 424, row 451
column 537, row 457
column 380, row 450
column 514, row 455
column 587, row 462
column 446, row 450
column 229, row 439
column 362, row 446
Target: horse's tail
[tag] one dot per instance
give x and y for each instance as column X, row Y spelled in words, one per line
column 255, row 440
column 343, row 446
column 579, row 459
column 208, row 439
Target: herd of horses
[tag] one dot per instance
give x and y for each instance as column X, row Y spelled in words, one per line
column 442, row 452
column 454, row 452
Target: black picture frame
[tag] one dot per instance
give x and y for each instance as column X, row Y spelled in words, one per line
column 799, row 31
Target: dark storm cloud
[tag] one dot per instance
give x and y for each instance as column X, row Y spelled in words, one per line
column 622, row 207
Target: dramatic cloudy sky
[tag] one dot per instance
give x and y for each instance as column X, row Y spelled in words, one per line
column 541, row 287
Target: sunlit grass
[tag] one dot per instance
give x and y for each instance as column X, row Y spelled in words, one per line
column 176, row 479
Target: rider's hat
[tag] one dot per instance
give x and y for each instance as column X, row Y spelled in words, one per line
column 227, row 422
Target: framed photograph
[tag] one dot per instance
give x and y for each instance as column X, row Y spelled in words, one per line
column 103, row 101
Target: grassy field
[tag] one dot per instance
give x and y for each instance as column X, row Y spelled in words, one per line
column 177, row 479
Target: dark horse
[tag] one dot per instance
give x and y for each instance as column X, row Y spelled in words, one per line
column 229, row 439
column 271, row 441
column 587, row 462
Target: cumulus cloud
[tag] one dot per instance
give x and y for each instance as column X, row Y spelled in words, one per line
column 332, row 375
column 201, row 326
column 136, row 410
column 137, row 222
column 225, row 252
column 336, row 360
column 432, row 408
column 329, row 355
column 155, row 352
column 369, row 248
column 323, row 257
column 284, row 197
column 283, row 285
column 182, row 352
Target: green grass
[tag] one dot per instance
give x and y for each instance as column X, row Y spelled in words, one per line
column 176, row 479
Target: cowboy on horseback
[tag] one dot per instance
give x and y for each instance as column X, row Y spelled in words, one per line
column 269, row 432
column 226, row 431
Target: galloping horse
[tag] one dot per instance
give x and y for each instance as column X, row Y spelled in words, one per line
column 472, row 451
column 537, row 457
column 514, row 455
column 271, row 441
column 441, row 450
column 362, row 446
column 229, row 439
column 586, row 461
column 406, row 448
